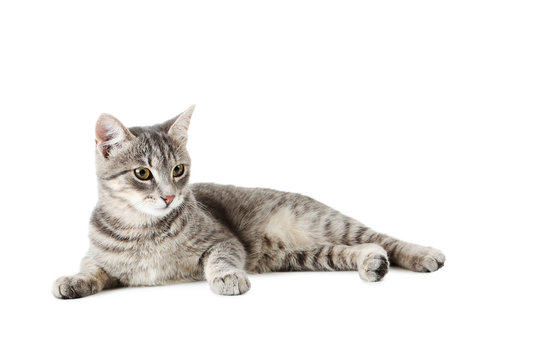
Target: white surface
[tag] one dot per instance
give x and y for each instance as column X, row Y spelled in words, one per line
column 419, row 118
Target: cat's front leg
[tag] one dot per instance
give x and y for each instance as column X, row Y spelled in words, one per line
column 90, row 280
column 224, row 267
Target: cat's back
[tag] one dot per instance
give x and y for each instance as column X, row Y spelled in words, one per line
column 244, row 198
column 235, row 195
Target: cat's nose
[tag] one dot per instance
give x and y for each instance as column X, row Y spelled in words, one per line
column 168, row 199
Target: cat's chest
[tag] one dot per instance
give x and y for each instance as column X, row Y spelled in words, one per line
column 150, row 263
column 150, row 268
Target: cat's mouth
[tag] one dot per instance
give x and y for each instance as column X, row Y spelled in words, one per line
column 158, row 209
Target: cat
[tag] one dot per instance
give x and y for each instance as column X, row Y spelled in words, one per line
column 151, row 226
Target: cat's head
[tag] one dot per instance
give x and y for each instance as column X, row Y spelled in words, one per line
column 145, row 168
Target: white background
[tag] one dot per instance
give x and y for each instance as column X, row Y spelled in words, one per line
column 419, row 118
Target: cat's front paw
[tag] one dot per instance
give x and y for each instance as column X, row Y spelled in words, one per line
column 428, row 260
column 234, row 283
column 73, row 287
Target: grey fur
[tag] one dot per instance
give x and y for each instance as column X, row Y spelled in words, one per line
column 209, row 231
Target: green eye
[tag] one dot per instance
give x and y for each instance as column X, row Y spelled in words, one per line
column 143, row 173
column 178, row 170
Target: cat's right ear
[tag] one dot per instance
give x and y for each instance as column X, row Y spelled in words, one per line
column 110, row 134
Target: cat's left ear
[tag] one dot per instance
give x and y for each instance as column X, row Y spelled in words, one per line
column 179, row 128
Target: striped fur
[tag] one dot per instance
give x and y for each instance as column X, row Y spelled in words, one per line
column 212, row 232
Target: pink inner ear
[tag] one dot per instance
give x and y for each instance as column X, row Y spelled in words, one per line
column 105, row 149
column 101, row 133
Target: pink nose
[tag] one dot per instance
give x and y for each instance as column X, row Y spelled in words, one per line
column 168, row 199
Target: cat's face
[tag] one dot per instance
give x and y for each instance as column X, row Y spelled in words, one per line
column 147, row 168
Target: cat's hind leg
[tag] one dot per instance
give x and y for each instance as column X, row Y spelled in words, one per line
column 297, row 221
column 406, row 255
column 370, row 260
column 342, row 229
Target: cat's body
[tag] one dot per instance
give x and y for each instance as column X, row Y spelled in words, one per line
column 151, row 227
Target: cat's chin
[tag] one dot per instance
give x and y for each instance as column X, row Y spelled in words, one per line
column 156, row 212
column 149, row 209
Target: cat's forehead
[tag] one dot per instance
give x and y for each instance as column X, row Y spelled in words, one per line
column 156, row 147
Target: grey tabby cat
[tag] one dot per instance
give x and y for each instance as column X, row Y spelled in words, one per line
column 151, row 227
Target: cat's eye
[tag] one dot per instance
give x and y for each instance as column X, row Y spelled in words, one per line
column 143, row 173
column 178, row 170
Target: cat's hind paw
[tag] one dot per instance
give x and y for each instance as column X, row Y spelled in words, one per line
column 235, row 283
column 428, row 260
